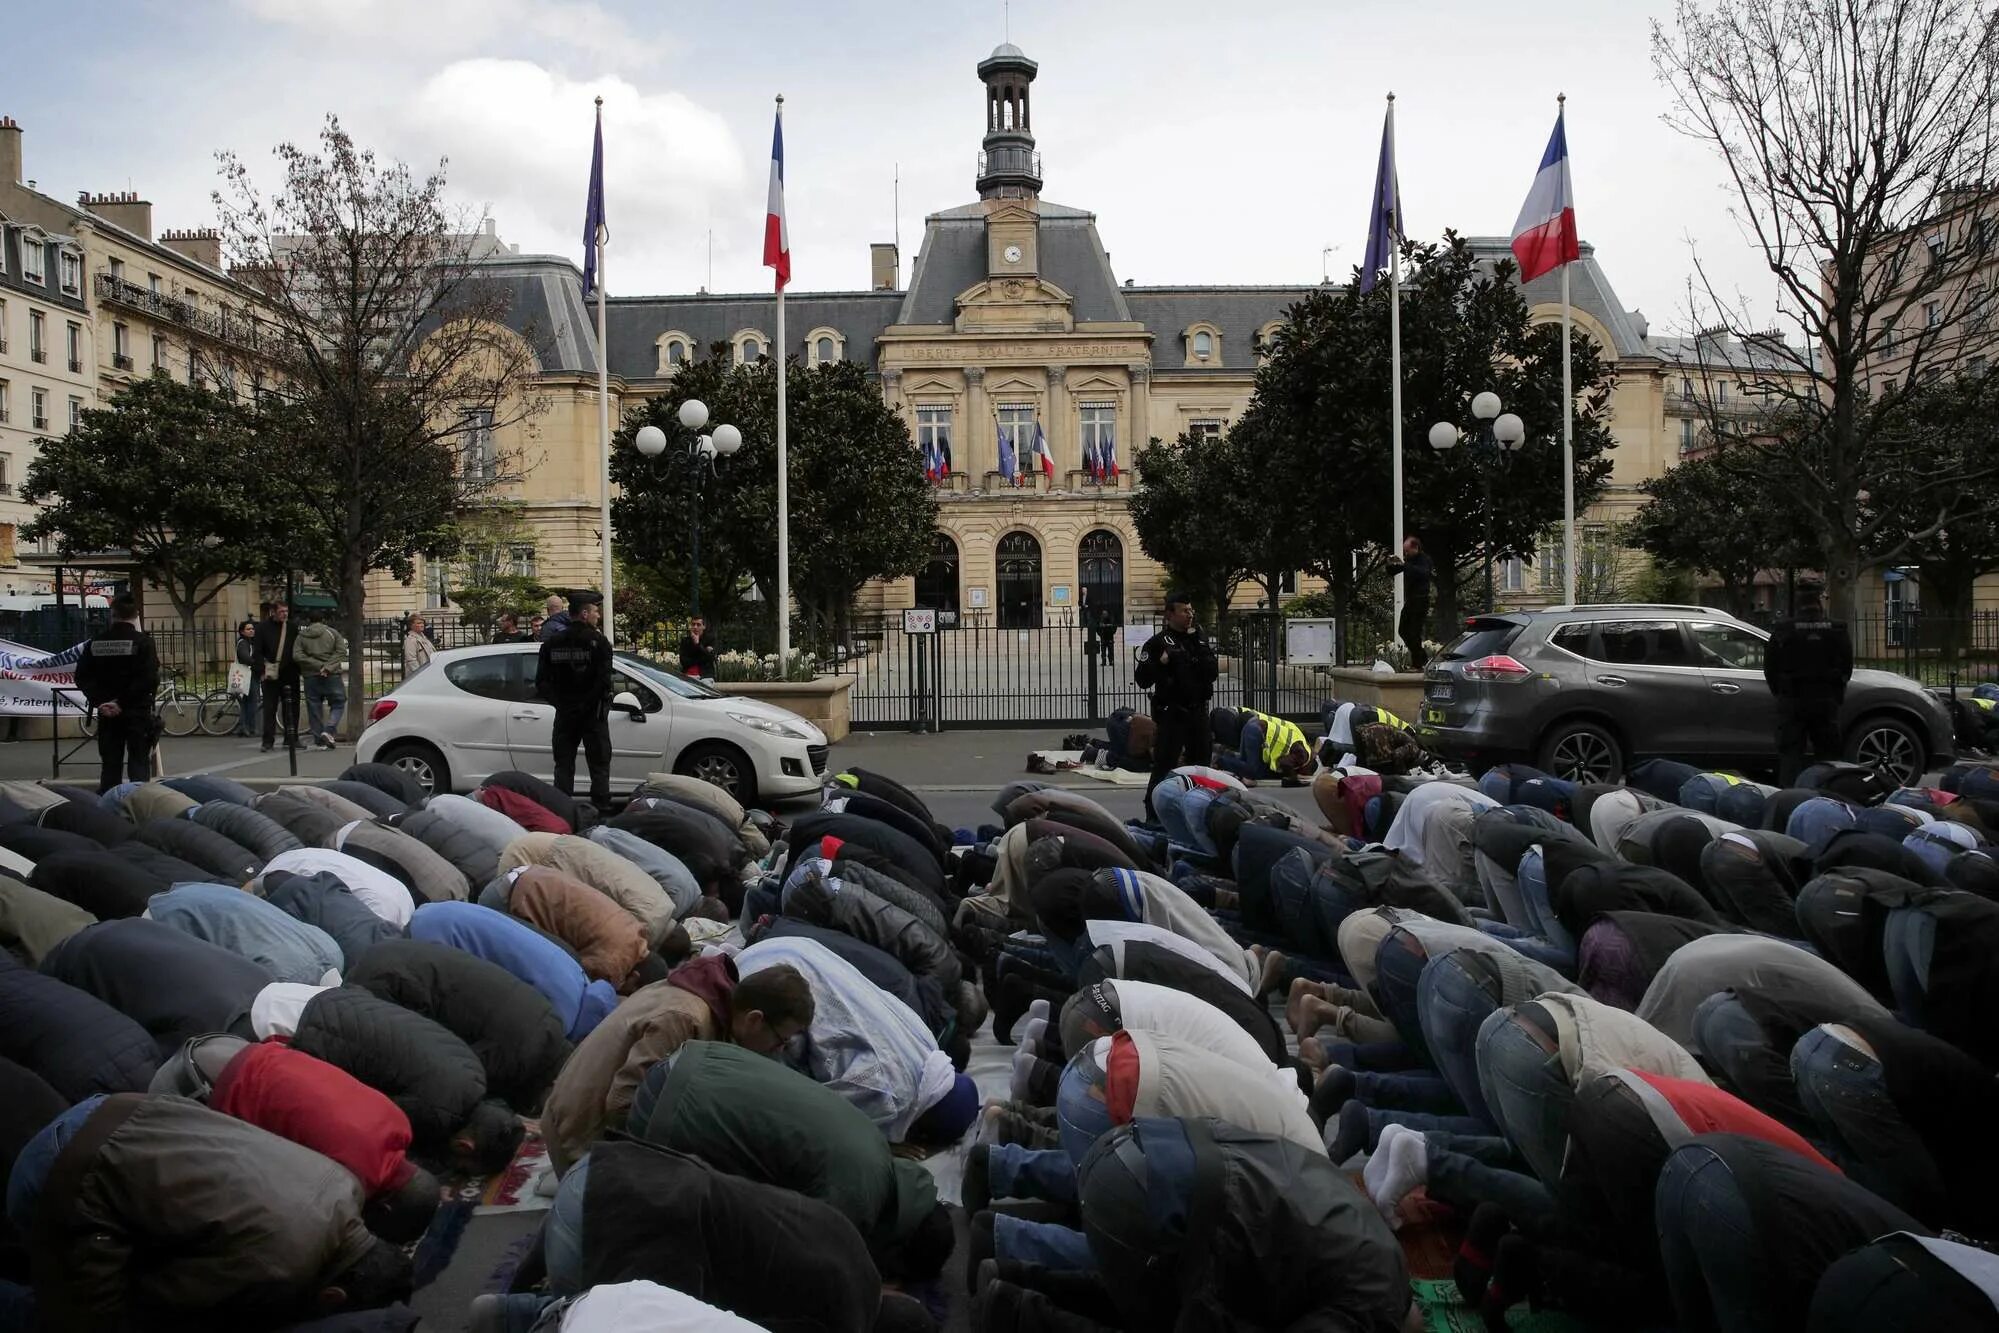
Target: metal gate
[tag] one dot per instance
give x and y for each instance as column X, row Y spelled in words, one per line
column 979, row 676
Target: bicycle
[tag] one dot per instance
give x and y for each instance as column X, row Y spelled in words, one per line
column 177, row 707
column 221, row 710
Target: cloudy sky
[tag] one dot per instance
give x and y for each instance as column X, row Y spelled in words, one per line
column 1217, row 143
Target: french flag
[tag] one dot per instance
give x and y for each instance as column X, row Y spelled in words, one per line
column 1042, row 452
column 777, row 241
column 1545, row 236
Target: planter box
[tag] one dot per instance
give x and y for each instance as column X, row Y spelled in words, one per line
column 821, row 701
column 1400, row 692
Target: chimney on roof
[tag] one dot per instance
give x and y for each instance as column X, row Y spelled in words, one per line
column 123, row 208
column 202, row 245
column 885, row 267
column 10, row 151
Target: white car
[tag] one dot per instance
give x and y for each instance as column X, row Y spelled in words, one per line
column 473, row 712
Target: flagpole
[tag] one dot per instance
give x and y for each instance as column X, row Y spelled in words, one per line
column 783, row 489
column 1395, row 356
column 1568, row 431
column 603, row 409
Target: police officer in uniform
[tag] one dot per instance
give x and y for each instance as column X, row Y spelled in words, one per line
column 1807, row 665
column 575, row 676
column 1179, row 667
column 119, row 673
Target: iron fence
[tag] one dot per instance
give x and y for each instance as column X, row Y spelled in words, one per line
column 1934, row 650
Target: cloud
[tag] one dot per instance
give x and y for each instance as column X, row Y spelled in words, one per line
column 518, row 140
column 582, row 27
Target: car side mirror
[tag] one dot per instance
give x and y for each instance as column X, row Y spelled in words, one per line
column 628, row 701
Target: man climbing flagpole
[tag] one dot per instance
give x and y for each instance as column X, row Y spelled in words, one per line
column 777, row 256
column 1545, row 237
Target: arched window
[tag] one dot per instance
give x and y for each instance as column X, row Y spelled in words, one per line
column 749, row 346
column 1100, row 563
column 1202, row 342
column 1204, row 345
column 823, row 349
column 676, row 353
column 675, row 350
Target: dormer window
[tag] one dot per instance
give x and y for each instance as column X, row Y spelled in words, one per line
column 1204, row 345
column 750, row 345
column 675, row 349
column 824, row 346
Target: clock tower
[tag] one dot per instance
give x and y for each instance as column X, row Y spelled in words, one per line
column 1009, row 168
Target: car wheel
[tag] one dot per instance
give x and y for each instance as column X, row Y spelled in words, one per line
column 422, row 762
column 723, row 765
column 1582, row 752
column 1889, row 746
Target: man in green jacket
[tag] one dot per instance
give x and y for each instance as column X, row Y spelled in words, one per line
column 751, row 1116
column 322, row 659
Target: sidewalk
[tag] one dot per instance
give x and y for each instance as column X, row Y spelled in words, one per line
column 951, row 761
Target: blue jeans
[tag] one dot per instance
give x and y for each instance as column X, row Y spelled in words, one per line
column 1424, row 1121
column 1183, row 811
column 246, row 725
column 1527, row 1091
column 1909, row 942
column 1533, row 880
column 1017, row 1172
column 1452, row 1003
column 1531, row 946
column 562, row 1233
column 1397, row 972
column 1735, row 1048
column 1845, row 1093
column 1502, row 890
column 1707, row 1239
column 1047, row 1245
column 1411, row 1090
column 323, row 693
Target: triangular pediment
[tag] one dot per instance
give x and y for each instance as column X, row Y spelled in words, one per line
column 1011, row 210
column 1015, row 304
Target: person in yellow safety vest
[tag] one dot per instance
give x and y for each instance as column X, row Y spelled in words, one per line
column 1270, row 747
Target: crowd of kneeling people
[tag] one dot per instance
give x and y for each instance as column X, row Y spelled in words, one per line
column 1685, row 1053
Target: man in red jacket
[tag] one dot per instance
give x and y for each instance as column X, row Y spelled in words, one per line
column 317, row 1106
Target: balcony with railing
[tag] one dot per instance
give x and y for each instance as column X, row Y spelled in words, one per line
column 222, row 326
column 1011, row 161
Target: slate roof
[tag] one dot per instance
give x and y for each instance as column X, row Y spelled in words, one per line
column 1589, row 291
column 635, row 322
column 1239, row 312
column 953, row 258
column 545, row 301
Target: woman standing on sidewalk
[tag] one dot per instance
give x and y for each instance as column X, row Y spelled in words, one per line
column 246, row 657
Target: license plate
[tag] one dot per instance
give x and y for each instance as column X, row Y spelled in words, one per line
column 1434, row 716
column 1444, row 690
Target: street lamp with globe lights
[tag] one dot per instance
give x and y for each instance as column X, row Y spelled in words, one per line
column 700, row 455
column 1500, row 434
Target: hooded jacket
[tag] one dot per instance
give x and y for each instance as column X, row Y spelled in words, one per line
column 1200, row 1226
column 76, row 1042
column 263, row 836
column 1155, row 900
column 667, row 870
column 752, row 1117
column 321, row 1107
column 458, row 844
column 432, row 1076
column 594, row 1091
column 866, row 1045
column 579, row 1003
column 828, row 899
column 160, row 1206
column 608, row 941
column 378, row 891
column 1177, row 1078
column 707, row 796
column 175, row 986
column 704, row 844
column 603, row 870
column 786, row 1262
column 509, row 1024
column 321, row 648
column 1146, row 960
column 247, row 926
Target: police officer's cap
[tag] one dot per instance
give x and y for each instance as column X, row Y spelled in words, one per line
column 580, row 600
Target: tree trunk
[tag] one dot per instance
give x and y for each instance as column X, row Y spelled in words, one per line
column 353, row 606
column 1842, row 573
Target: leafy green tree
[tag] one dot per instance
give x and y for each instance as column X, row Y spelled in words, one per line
column 394, row 368
column 174, row 473
column 1184, row 507
column 1319, row 421
column 860, row 507
column 1713, row 515
column 483, row 581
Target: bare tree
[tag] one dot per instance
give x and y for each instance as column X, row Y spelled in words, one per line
column 394, row 365
column 1857, row 137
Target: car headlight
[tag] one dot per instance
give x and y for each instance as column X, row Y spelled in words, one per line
column 767, row 726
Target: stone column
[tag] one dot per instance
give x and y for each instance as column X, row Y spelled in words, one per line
column 1061, row 427
column 980, row 453
column 1138, row 432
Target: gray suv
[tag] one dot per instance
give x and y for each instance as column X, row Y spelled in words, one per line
column 1583, row 692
